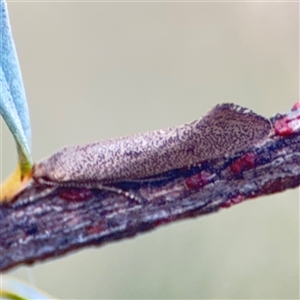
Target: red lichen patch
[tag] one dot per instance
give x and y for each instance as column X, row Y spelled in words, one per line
column 273, row 186
column 198, row 180
column 162, row 222
column 253, row 196
column 235, row 200
column 238, row 199
column 282, row 128
column 290, row 123
column 94, row 229
column 226, row 204
column 76, row 194
column 247, row 161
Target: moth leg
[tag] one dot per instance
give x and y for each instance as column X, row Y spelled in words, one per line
column 127, row 194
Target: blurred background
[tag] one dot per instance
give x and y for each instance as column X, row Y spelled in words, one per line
column 99, row 70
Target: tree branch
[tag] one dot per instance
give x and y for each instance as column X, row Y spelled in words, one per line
column 41, row 223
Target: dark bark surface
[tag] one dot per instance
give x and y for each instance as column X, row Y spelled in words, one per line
column 45, row 222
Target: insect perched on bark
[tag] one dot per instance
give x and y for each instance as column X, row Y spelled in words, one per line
column 226, row 129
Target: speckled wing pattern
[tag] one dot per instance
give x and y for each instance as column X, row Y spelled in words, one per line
column 226, row 129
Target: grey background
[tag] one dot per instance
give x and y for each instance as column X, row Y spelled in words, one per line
column 98, row 70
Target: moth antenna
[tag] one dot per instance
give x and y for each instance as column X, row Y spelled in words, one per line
column 88, row 185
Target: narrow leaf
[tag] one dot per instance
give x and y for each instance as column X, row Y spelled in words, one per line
column 13, row 105
column 17, row 290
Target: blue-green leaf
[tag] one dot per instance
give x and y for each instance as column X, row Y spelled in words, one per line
column 13, row 105
column 17, row 290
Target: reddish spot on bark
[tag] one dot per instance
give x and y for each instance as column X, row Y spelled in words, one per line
column 253, row 196
column 198, row 180
column 282, row 128
column 226, row 204
column 94, row 229
column 76, row 195
column 290, row 123
column 296, row 105
column 247, row 161
column 235, row 200
column 162, row 222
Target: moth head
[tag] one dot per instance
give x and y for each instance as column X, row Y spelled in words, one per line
column 49, row 171
column 58, row 168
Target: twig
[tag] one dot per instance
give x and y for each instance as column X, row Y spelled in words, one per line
column 64, row 219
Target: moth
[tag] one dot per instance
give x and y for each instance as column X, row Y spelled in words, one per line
column 226, row 129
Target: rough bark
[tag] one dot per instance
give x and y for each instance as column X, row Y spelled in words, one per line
column 42, row 223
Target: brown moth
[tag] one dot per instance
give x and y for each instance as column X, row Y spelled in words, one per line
column 226, row 129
